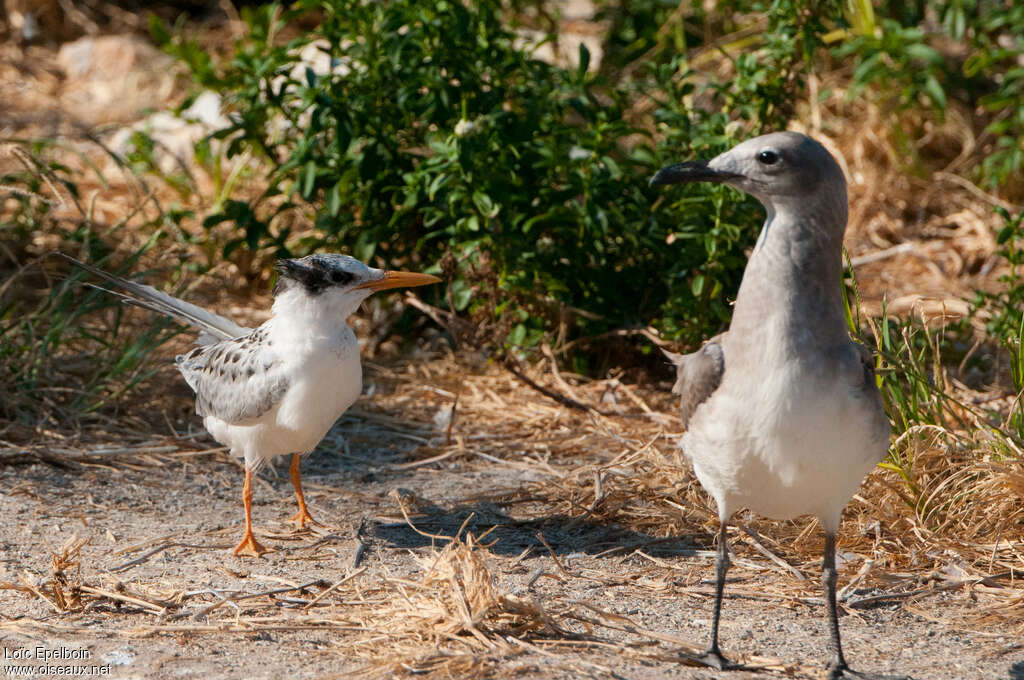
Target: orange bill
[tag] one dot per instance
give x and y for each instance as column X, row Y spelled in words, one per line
column 393, row 279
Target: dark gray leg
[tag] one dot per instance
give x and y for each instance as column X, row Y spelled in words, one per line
column 837, row 667
column 713, row 655
column 837, row 664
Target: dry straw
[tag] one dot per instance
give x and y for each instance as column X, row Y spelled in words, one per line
column 950, row 520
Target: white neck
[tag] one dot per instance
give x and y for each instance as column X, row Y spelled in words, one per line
column 313, row 313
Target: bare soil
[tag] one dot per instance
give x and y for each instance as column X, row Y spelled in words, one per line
column 592, row 548
column 621, row 602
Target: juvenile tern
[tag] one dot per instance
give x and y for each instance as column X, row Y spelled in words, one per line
column 278, row 388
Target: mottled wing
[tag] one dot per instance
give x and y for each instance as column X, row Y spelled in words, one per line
column 235, row 380
column 698, row 375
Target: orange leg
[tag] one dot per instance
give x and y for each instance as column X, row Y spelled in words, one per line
column 302, row 517
column 249, row 546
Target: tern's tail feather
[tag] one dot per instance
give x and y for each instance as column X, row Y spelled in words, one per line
column 213, row 326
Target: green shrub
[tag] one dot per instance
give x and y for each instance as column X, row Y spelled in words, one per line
column 438, row 135
column 1003, row 311
column 920, row 55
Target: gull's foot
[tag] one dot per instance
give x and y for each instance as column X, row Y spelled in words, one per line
column 302, row 519
column 712, row 658
column 837, row 670
column 844, row 672
column 250, row 547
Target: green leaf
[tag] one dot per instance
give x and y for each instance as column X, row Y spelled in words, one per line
column 922, row 52
column 334, row 200
column 308, row 180
column 935, row 92
column 1006, row 233
column 158, row 31
column 584, row 58
column 517, row 336
column 485, row 205
column 462, row 294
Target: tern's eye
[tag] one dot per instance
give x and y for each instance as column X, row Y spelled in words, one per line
column 768, row 157
column 340, row 277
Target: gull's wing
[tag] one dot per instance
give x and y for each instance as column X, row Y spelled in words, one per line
column 698, row 375
column 235, row 380
column 214, row 327
column 867, row 363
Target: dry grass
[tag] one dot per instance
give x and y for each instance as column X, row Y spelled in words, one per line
column 920, row 230
column 957, row 521
column 456, row 612
column 948, row 515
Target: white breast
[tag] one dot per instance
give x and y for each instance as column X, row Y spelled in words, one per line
column 325, row 378
column 787, row 444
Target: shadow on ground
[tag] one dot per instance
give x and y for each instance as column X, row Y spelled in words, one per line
column 510, row 536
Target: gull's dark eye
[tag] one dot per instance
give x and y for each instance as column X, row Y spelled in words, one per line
column 768, row 157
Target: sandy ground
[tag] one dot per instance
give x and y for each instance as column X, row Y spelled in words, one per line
column 654, row 592
column 625, row 590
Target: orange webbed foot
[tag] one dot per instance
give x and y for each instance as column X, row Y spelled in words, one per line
column 250, row 547
column 302, row 519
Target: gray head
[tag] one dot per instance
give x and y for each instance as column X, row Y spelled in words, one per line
column 797, row 263
column 782, row 170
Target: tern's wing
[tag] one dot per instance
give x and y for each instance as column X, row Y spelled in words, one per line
column 697, row 375
column 235, row 380
column 213, row 326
